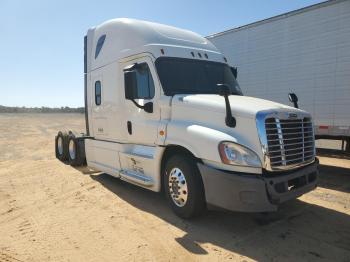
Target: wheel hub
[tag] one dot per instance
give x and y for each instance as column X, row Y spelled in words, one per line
column 178, row 187
column 71, row 149
column 60, row 145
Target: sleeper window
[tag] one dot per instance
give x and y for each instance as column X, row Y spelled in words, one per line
column 99, row 45
column 98, row 93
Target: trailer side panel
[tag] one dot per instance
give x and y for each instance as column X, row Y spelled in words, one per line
column 306, row 52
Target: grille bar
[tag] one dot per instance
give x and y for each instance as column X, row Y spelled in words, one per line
column 295, row 154
column 293, row 122
column 296, row 158
column 274, row 151
column 286, row 139
column 291, row 144
column 289, row 141
column 294, row 133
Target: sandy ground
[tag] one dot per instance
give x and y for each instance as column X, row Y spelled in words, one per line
column 52, row 212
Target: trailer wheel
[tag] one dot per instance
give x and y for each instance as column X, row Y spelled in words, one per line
column 76, row 151
column 184, row 187
column 61, row 146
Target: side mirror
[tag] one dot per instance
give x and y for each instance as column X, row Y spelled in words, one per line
column 130, row 84
column 294, row 99
column 234, row 71
column 131, row 90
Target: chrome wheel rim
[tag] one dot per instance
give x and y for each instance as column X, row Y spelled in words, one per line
column 71, row 149
column 60, row 145
column 178, row 187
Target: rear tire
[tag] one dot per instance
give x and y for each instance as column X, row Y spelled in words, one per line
column 183, row 186
column 61, row 146
column 76, row 151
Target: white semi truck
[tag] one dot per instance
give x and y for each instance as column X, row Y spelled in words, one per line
column 164, row 111
column 306, row 52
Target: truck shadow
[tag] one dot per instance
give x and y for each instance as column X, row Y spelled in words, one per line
column 85, row 170
column 333, row 153
column 334, row 177
column 299, row 230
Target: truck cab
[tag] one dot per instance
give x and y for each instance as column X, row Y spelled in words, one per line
column 164, row 111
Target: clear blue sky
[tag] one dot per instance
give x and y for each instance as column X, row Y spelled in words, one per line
column 41, row 43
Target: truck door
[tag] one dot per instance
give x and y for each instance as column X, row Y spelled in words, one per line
column 140, row 126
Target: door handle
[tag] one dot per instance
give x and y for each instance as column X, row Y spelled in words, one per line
column 129, row 125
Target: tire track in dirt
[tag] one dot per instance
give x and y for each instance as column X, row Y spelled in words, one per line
column 7, row 256
column 26, row 230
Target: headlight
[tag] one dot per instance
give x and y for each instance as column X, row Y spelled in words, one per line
column 234, row 154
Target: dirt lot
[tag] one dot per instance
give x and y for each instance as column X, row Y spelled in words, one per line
column 52, row 212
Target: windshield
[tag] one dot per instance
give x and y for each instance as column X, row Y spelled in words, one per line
column 189, row 76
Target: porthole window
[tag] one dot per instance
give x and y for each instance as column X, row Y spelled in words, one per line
column 99, row 45
column 98, row 93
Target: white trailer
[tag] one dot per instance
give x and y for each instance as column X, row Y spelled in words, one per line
column 164, row 111
column 306, row 52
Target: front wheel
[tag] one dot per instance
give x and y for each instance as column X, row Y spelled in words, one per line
column 184, row 187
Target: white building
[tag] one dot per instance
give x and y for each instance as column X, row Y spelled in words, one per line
column 306, row 51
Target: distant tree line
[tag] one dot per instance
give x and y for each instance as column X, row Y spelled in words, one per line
column 66, row 109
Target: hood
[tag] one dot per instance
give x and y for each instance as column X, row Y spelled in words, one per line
column 243, row 106
column 198, row 121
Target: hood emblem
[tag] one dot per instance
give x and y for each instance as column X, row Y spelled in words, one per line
column 292, row 115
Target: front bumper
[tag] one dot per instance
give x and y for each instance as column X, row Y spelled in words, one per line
column 255, row 193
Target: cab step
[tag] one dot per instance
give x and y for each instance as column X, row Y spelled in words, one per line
column 137, row 178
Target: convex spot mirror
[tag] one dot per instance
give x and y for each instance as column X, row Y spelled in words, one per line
column 148, row 107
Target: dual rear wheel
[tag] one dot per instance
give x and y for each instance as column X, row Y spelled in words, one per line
column 61, row 146
column 70, row 148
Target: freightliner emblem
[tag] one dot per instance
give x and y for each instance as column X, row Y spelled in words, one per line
column 292, row 115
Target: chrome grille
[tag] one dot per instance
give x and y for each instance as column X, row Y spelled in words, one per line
column 290, row 142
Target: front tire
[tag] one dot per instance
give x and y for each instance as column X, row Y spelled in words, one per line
column 183, row 186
